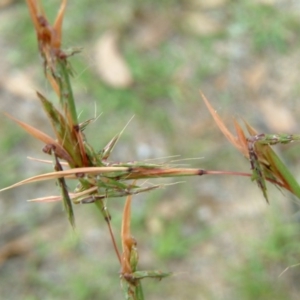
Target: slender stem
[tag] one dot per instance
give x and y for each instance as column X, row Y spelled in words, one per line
column 114, row 241
column 107, row 218
column 210, row 172
column 241, row 174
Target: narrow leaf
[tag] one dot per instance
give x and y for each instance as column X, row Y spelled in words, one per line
column 65, row 193
column 57, row 120
column 67, row 174
column 63, row 132
column 60, row 151
column 232, row 139
column 150, row 274
column 283, row 173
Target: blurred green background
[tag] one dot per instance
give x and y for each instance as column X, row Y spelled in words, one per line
column 148, row 59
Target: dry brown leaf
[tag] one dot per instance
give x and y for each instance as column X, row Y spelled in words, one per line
column 278, row 117
column 201, row 24
column 256, row 76
column 211, row 4
column 109, row 62
column 19, row 84
column 151, row 30
column 19, row 246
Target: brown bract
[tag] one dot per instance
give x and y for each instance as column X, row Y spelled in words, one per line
column 239, row 141
column 49, row 37
column 264, row 162
column 128, row 242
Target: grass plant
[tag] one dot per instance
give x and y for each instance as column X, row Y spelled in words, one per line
column 99, row 179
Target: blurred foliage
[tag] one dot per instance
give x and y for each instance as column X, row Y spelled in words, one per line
column 259, row 277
